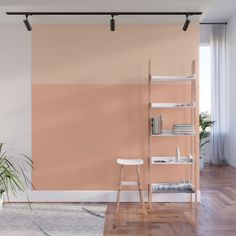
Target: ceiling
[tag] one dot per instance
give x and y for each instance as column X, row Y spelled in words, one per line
column 103, row 5
column 221, row 11
column 213, row 10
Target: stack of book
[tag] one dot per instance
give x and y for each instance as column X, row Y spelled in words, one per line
column 187, row 129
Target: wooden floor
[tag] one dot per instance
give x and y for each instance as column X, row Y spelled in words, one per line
column 214, row 216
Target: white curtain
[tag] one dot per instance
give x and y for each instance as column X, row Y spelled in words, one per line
column 219, row 93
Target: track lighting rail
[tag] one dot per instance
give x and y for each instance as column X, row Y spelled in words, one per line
column 105, row 13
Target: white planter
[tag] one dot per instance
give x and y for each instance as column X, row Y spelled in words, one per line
column 202, row 163
column 1, row 201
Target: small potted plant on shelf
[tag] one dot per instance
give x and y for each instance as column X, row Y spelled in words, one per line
column 12, row 174
column 205, row 124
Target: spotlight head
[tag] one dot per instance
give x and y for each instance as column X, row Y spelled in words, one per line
column 27, row 24
column 112, row 23
column 186, row 24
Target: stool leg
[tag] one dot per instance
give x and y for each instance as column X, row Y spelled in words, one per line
column 119, row 189
column 140, row 188
column 150, row 196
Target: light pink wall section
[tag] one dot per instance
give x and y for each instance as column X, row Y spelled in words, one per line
column 90, row 101
column 92, row 54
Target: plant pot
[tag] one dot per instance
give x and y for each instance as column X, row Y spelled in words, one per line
column 1, row 201
column 202, row 162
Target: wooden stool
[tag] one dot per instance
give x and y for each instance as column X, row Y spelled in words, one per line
column 129, row 162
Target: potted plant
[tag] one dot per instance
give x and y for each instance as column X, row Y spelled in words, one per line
column 205, row 124
column 12, row 173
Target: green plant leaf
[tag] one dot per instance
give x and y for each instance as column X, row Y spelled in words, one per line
column 12, row 175
column 204, row 123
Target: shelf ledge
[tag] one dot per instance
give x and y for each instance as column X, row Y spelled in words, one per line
column 171, row 160
column 156, row 105
column 157, row 78
column 170, row 133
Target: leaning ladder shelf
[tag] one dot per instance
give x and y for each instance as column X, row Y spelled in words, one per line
column 182, row 186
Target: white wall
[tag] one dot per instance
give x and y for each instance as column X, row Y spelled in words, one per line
column 205, row 38
column 231, row 35
column 15, row 88
column 205, row 34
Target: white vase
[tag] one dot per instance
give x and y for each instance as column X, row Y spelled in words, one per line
column 202, row 162
column 1, row 201
column 177, row 154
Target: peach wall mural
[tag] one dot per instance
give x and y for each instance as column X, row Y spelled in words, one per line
column 90, row 101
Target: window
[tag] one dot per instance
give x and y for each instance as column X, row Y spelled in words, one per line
column 205, row 78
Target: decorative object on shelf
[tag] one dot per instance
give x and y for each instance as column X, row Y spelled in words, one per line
column 157, row 124
column 12, row 173
column 183, row 129
column 175, row 187
column 190, row 157
column 177, row 154
column 205, row 124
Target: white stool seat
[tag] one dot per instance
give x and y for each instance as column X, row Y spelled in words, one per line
column 130, row 162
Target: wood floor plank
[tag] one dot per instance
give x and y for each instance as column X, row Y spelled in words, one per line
column 214, row 216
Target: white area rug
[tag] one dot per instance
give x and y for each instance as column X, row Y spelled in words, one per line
column 52, row 219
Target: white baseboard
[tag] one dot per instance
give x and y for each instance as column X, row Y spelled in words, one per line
column 98, row 196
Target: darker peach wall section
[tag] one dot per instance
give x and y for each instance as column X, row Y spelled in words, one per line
column 80, row 130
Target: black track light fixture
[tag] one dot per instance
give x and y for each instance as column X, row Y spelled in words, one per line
column 112, row 23
column 112, row 14
column 186, row 23
column 27, row 24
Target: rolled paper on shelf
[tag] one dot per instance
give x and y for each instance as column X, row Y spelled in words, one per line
column 177, row 154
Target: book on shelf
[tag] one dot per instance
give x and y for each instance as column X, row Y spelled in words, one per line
column 183, row 128
column 156, row 125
